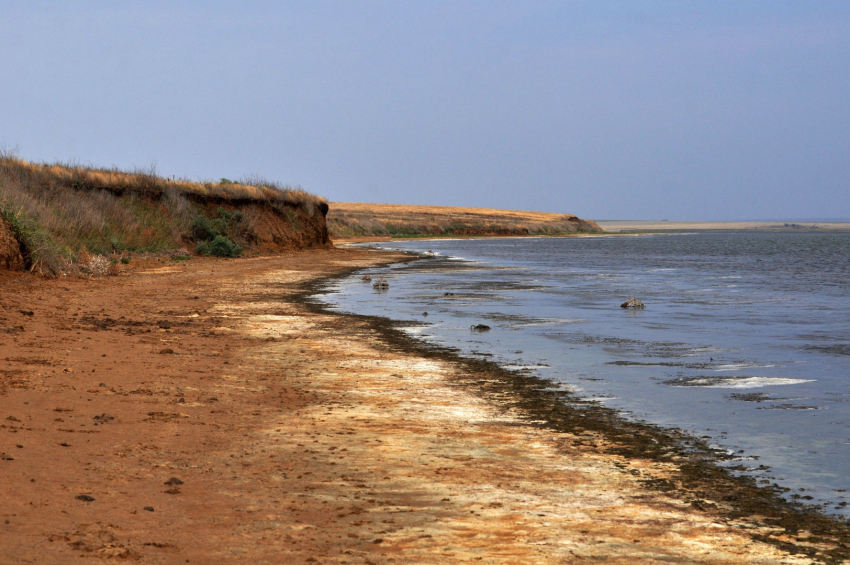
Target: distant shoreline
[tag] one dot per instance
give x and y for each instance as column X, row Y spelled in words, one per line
column 357, row 220
column 621, row 226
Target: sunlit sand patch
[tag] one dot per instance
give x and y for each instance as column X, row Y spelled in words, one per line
column 455, row 474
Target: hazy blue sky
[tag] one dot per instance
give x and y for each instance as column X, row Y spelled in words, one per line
column 682, row 110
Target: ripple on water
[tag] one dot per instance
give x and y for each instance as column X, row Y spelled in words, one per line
column 733, row 382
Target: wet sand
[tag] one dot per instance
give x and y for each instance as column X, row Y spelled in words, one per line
column 296, row 436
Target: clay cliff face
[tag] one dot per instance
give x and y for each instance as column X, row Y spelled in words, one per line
column 275, row 227
column 10, row 250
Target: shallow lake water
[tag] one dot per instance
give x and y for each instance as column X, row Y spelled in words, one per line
column 745, row 337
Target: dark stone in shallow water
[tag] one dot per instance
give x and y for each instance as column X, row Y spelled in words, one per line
column 633, row 303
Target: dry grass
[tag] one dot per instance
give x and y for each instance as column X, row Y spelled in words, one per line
column 350, row 220
column 146, row 183
column 61, row 212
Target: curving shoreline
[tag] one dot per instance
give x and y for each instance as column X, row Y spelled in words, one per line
column 306, row 435
column 689, row 466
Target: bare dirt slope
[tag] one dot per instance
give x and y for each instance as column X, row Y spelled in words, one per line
column 354, row 220
column 192, row 413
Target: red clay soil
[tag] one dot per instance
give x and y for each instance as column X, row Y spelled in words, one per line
column 275, row 228
column 193, row 413
column 10, row 250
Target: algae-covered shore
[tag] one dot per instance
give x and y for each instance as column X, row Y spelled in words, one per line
column 298, row 435
column 689, row 466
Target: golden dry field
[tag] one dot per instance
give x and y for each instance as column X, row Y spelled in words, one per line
column 351, row 220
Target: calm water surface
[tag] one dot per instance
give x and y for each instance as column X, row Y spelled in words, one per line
column 745, row 337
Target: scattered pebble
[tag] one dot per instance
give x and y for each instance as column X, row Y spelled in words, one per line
column 148, row 508
column 84, row 498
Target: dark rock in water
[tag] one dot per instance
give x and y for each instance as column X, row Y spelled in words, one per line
column 84, row 498
column 424, row 313
column 633, row 303
column 480, row 328
column 381, row 284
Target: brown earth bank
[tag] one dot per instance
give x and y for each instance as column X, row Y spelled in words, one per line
column 355, row 220
column 11, row 258
column 63, row 216
column 203, row 412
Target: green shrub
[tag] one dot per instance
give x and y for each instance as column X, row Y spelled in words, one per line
column 219, row 246
column 42, row 253
column 230, row 218
column 213, row 235
column 207, row 229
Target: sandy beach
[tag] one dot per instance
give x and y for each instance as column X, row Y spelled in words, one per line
column 201, row 412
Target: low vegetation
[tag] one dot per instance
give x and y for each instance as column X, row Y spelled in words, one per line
column 64, row 214
column 215, row 236
column 353, row 220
